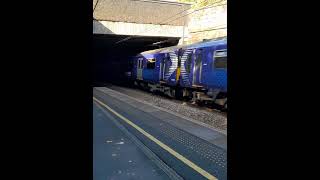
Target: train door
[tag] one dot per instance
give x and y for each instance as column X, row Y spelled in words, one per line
column 197, row 67
column 186, row 67
column 180, row 53
column 139, row 68
column 165, row 67
column 162, row 68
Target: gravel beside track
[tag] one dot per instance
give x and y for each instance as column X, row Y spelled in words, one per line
column 213, row 118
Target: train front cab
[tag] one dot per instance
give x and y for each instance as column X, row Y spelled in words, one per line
column 162, row 76
column 156, row 71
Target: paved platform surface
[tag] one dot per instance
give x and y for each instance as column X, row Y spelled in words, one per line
column 201, row 146
column 115, row 156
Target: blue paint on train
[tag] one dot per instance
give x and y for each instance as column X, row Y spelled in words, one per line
column 201, row 65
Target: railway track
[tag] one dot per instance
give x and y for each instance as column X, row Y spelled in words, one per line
column 143, row 94
column 212, row 117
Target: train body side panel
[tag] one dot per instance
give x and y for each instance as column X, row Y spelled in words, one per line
column 186, row 67
column 194, row 71
column 172, row 62
column 215, row 78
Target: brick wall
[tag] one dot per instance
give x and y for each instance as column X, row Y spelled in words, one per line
column 206, row 24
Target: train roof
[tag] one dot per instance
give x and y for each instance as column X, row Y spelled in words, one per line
column 205, row 43
column 208, row 43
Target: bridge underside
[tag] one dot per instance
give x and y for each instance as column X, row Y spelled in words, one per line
column 110, row 59
column 135, row 29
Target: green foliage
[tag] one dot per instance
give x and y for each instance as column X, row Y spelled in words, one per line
column 200, row 3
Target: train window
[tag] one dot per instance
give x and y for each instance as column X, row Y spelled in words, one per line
column 199, row 59
column 220, row 59
column 188, row 63
column 167, row 64
column 220, row 62
column 140, row 63
column 151, row 64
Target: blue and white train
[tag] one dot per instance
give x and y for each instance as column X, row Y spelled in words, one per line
column 197, row 71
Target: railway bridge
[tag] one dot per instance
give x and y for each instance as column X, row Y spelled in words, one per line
column 122, row 28
column 152, row 18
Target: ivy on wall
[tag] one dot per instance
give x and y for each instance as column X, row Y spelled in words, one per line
column 201, row 3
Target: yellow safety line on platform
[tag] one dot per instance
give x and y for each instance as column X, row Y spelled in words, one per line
column 167, row 148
